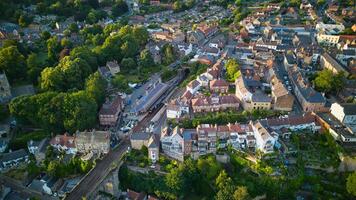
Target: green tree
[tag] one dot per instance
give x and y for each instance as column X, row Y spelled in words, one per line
column 68, row 74
column 86, row 54
column 168, row 54
column 241, row 193
column 326, row 81
column 129, row 47
column 53, row 48
column 351, row 184
column 146, row 59
column 232, row 68
column 177, row 6
column 53, row 168
column 119, row 8
column 95, row 86
column 175, row 180
column 120, row 83
column 12, row 62
column 140, row 33
column 34, row 67
column 127, row 64
column 225, row 187
column 80, row 111
column 24, row 20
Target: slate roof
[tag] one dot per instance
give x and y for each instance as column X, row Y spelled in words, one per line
column 140, row 136
column 111, row 108
column 349, row 108
column 21, row 153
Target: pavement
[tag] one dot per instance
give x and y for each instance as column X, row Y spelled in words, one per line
column 102, row 168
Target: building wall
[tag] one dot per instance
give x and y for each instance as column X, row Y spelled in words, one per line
column 331, row 40
column 284, row 103
column 338, row 111
column 137, row 144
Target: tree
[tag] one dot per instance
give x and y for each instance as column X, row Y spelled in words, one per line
column 68, row 74
column 321, row 2
column 120, row 82
column 53, row 48
column 326, row 81
column 119, row 8
column 140, row 33
column 146, row 59
column 86, row 54
column 34, row 67
column 24, row 20
column 232, row 67
column 12, row 62
column 45, row 35
column 95, row 86
column 175, row 180
column 177, row 6
column 225, row 187
column 129, row 47
column 53, row 168
column 241, row 193
column 127, row 64
column 351, row 184
column 80, row 111
column 168, row 54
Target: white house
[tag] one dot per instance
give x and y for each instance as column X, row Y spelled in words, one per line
column 173, row 145
column 176, row 108
column 345, row 113
column 193, row 86
column 265, row 139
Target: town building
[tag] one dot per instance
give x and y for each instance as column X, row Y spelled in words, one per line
column 113, row 67
column 153, row 93
column 173, row 144
column 92, row 141
column 110, row 111
column 327, row 62
column 13, row 159
column 282, row 99
column 151, row 141
column 345, row 113
column 64, row 143
column 38, row 148
column 311, row 100
column 219, row 86
column 250, row 94
column 207, row 139
column 214, row 103
column 177, row 108
column 265, row 138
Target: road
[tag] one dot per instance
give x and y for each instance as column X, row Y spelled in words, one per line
column 102, row 168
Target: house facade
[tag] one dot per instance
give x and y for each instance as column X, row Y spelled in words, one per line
column 12, row 159
column 64, row 143
column 110, row 110
column 94, row 141
column 345, row 113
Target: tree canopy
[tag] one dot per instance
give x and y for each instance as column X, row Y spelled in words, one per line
column 327, row 81
column 351, row 184
column 12, row 62
column 232, row 70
